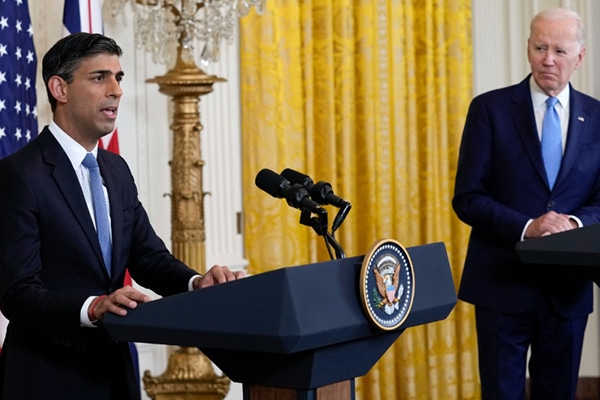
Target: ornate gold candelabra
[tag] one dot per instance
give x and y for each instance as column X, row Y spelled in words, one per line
column 189, row 373
column 185, row 83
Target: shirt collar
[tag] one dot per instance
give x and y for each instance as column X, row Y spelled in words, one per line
column 74, row 150
column 538, row 96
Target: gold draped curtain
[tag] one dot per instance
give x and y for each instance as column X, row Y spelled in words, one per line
column 370, row 96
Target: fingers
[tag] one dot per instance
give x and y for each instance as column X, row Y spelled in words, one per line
column 548, row 224
column 119, row 302
column 239, row 274
column 217, row 274
column 222, row 274
column 558, row 223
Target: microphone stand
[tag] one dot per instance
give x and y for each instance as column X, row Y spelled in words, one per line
column 319, row 225
column 340, row 216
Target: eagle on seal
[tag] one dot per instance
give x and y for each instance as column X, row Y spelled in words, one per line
column 388, row 285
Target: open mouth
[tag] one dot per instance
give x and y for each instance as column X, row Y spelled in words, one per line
column 110, row 112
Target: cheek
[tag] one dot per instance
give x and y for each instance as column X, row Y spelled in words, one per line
column 535, row 59
column 84, row 101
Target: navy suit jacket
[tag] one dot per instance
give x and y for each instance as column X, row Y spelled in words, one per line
column 50, row 262
column 501, row 184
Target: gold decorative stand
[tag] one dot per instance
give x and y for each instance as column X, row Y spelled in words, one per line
column 189, row 373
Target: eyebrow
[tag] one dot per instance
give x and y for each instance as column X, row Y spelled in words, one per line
column 118, row 74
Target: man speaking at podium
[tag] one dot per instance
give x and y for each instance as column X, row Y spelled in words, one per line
column 68, row 231
column 529, row 166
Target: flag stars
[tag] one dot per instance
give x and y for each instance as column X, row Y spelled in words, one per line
column 18, row 60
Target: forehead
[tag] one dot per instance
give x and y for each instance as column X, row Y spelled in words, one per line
column 558, row 32
column 100, row 62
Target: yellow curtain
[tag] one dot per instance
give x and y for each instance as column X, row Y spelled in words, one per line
column 370, row 96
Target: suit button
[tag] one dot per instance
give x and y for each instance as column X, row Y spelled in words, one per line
column 551, row 204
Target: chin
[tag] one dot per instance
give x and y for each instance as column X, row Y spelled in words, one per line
column 108, row 129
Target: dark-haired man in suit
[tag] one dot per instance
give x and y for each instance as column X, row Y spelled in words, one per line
column 508, row 189
column 58, row 275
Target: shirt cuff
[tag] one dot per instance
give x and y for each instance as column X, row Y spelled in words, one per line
column 191, row 282
column 525, row 229
column 83, row 313
column 577, row 220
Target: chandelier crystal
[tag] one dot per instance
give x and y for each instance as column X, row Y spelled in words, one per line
column 161, row 25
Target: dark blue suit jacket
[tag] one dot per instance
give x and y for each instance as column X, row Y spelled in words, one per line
column 501, row 184
column 50, row 262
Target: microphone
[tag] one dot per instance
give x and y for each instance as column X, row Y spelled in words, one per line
column 295, row 194
column 321, row 192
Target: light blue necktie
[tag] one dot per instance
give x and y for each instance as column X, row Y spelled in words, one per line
column 551, row 141
column 100, row 209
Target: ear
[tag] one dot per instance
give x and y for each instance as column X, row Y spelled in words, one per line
column 580, row 57
column 58, row 88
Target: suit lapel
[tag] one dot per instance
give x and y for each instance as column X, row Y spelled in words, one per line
column 576, row 132
column 65, row 178
column 524, row 120
column 110, row 176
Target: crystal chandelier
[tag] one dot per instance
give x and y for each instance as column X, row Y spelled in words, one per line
column 161, row 25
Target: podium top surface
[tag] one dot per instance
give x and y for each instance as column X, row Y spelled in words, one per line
column 287, row 310
column 577, row 247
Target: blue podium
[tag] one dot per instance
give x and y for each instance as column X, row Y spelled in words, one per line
column 578, row 248
column 297, row 333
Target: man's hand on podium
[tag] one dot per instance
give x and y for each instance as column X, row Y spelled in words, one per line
column 215, row 275
column 549, row 223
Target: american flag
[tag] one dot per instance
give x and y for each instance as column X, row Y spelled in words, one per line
column 18, row 63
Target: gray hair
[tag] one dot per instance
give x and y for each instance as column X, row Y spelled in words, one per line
column 558, row 14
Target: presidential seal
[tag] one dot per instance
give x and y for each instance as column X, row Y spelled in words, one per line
column 387, row 284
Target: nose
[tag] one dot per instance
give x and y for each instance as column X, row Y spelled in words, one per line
column 114, row 89
column 548, row 58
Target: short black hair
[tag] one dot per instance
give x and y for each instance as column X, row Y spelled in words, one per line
column 67, row 54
